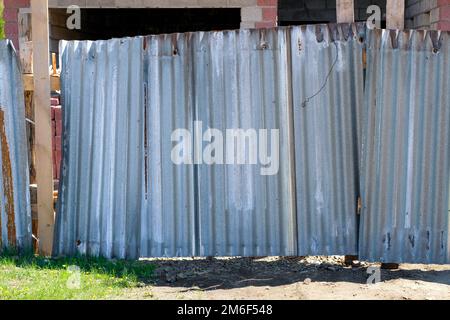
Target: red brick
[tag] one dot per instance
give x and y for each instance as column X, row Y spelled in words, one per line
column 11, row 29
column 265, row 24
column 264, row 3
column 16, row 3
column 58, row 145
column 444, row 25
column 10, row 15
column 54, row 101
column 58, row 114
column 55, row 171
column 58, row 128
column 443, row 2
column 53, row 128
column 270, row 14
column 444, row 13
column 53, row 114
column 58, row 156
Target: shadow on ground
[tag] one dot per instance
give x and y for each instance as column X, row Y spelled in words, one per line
column 230, row 273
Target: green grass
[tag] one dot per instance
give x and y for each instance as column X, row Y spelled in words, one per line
column 2, row 22
column 28, row 277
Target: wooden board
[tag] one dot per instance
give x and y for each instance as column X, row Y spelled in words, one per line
column 395, row 14
column 345, row 11
column 28, row 82
column 25, row 43
column 44, row 162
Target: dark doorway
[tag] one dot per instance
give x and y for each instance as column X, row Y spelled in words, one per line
column 99, row 24
column 299, row 12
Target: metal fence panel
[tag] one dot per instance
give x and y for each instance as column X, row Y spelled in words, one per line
column 241, row 82
column 406, row 150
column 122, row 195
column 102, row 182
column 169, row 223
column 327, row 81
column 15, row 211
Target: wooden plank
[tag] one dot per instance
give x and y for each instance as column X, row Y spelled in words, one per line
column 25, row 43
column 44, row 162
column 345, row 11
column 395, row 14
column 28, row 82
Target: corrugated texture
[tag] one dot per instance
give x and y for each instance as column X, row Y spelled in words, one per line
column 101, row 192
column 405, row 216
column 168, row 228
column 327, row 81
column 15, row 212
column 241, row 81
column 227, row 80
column 122, row 196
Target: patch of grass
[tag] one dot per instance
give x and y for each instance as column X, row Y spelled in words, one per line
column 2, row 22
column 28, row 277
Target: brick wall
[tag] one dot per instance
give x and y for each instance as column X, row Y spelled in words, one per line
column 427, row 14
column 292, row 12
column 10, row 15
column 262, row 14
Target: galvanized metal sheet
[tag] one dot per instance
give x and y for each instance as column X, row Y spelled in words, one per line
column 102, row 186
column 406, row 150
column 168, row 228
column 327, row 81
column 241, row 82
column 224, row 80
column 15, row 212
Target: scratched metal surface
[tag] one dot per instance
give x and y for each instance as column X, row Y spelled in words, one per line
column 241, row 81
column 15, row 212
column 327, row 82
column 101, row 189
column 406, row 149
column 121, row 195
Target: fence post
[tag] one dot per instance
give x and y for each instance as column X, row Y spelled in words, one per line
column 345, row 11
column 395, row 14
column 44, row 165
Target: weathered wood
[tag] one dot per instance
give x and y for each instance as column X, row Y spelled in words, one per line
column 395, row 14
column 28, row 82
column 25, row 43
column 43, row 127
column 29, row 114
column 26, row 59
column 345, row 11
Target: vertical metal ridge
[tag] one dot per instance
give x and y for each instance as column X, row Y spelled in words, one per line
column 327, row 64
column 15, row 210
column 100, row 204
column 405, row 203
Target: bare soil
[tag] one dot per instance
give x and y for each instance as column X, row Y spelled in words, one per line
column 289, row 278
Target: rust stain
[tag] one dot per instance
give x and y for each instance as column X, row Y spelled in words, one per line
column 7, row 183
column 364, row 58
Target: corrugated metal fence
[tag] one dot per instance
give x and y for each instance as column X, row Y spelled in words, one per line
column 15, row 212
column 405, row 214
column 123, row 196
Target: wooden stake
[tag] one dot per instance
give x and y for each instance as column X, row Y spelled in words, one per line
column 25, row 43
column 395, row 14
column 44, row 166
column 345, row 11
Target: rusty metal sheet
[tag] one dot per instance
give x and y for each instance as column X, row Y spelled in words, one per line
column 15, row 212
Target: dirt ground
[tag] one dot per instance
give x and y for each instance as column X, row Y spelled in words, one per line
column 289, row 278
